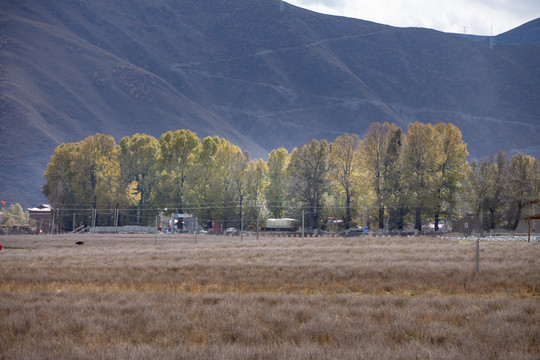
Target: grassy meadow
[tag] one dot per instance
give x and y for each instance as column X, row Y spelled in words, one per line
column 167, row 297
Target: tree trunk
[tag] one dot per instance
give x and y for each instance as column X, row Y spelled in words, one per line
column 401, row 219
column 139, row 217
column 109, row 217
column 348, row 216
column 316, row 216
column 240, row 214
column 518, row 216
column 491, row 218
column 95, row 212
column 418, row 219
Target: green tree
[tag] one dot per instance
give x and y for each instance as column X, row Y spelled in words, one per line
column 257, row 182
column 239, row 180
column 138, row 157
column 97, row 176
column 14, row 216
column 394, row 187
column 308, row 177
column 421, row 159
column 200, row 180
column 523, row 187
column 178, row 152
column 452, row 169
column 59, row 176
column 278, row 161
column 488, row 181
column 378, row 163
column 227, row 185
column 496, row 174
column 344, row 158
column 85, row 174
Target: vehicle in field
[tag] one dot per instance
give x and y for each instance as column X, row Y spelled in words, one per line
column 230, row 230
column 283, row 224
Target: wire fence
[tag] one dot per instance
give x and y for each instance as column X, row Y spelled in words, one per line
column 217, row 218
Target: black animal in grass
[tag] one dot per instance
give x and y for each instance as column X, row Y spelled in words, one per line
column 79, row 243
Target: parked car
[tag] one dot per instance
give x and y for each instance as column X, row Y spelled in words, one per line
column 230, row 230
column 357, row 228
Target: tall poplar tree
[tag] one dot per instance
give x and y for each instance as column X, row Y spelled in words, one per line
column 308, row 177
column 178, row 151
column 227, row 184
column 523, row 187
column 452, row 169
column 344, row 158
column 138, row 157
column 278, row 161
column 59, row 176
column 394, row 187
column 421, row 158
column 200, row 180
column 379, row 163
column 86, row 175
column 257, row 182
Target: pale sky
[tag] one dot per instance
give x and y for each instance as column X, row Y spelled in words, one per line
column 476, row 17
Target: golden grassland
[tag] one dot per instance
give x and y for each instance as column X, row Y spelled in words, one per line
column 167, row 297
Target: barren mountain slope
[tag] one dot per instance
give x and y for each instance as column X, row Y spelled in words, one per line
column 260, row 75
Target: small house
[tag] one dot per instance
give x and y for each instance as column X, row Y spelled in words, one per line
column 467, row 224
column 41, row 217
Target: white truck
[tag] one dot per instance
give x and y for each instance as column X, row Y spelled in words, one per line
column 283, row 224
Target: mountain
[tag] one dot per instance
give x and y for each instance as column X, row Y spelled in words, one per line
column 526, row 34
column 522, row 35
column 261, row 73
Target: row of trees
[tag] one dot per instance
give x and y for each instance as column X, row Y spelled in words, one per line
column 399, row 178
column 500, row 189
column 14, row 215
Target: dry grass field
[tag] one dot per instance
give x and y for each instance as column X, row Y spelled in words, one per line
column 166, row 297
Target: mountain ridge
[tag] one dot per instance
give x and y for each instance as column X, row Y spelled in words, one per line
column 244, row 70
